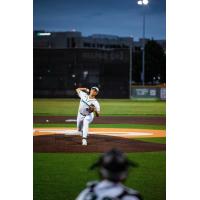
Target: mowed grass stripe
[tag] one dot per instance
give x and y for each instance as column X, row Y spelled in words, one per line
column 137, row 126
column 109, row 107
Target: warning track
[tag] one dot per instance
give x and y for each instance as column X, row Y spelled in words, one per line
column 103, row 120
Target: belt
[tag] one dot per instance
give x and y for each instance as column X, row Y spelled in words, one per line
column 83, row 114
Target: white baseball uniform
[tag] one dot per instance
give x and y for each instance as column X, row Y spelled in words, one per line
column 107, row 190
column 84, row 117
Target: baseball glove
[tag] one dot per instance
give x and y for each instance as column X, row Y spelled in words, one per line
column 91, row 108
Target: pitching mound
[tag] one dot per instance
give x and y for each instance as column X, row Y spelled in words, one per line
column 96, row 143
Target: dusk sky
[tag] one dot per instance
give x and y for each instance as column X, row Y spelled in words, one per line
column 115, row 17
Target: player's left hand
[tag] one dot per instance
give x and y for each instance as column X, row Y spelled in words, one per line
column 91, row 108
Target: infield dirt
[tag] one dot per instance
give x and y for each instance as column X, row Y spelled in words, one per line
column 100, row 140
column 103, row 120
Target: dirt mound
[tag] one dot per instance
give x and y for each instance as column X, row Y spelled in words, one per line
column 96, row 143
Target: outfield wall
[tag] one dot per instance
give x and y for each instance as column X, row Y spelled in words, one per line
column 149, row 92
column 58, row 72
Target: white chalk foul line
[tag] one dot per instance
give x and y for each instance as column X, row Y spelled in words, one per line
column 70, row 120
column 122, row 133
column 67, row 132
column 112, row 133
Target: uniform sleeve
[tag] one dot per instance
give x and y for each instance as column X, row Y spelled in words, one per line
column 82, row 94
column 81, row 196
column 97, row 106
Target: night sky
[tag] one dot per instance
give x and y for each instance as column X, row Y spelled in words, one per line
column 115, row 17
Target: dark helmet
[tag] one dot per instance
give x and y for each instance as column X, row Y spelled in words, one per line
column 113, row 165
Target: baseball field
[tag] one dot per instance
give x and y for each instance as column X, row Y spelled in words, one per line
column 61, row 163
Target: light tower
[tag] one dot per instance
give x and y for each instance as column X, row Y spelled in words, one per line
column 143, row 3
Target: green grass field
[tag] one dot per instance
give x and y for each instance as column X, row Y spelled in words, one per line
column 62, row 176
column 161, row 140
column 59, row 176
column 136, row 126
column 116, row 107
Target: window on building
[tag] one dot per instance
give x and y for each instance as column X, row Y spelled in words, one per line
column 86, row 44
column 73, row 43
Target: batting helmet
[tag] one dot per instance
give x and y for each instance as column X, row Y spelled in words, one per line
column 113, row 165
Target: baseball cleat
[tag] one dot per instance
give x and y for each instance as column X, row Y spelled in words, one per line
column 84, row 142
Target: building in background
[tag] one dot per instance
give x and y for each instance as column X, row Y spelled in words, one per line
column 60, row 40
column 74, row 39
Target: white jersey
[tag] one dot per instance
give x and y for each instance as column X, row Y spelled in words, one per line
column 108, row 190
column 85, row 102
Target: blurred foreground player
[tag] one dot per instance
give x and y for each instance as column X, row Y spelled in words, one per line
column 113, row 170
column 88, row 106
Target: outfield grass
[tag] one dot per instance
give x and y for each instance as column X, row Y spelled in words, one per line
column 109, row 107
column 137, row 126
column 59, row 176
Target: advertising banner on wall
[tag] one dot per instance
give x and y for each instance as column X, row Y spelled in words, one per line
column 144, row 92
column 149, row 92
column 163, row 93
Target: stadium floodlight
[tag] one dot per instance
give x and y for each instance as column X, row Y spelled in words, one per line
column 143, row 2
column 139, row 2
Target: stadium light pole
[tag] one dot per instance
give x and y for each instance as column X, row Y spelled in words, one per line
column 143, row 3
column 130, row 70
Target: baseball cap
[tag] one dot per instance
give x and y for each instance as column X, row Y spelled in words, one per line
column 95, row 88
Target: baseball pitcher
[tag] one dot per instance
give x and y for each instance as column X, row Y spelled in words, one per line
column 87, row 107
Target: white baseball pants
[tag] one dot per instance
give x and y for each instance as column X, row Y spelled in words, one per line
column 83, row 123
